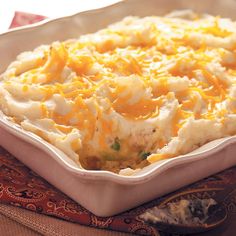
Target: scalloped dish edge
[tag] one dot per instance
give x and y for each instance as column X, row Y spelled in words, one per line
column 153, row 169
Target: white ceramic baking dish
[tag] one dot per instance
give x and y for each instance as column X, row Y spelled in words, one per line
column 105, row 193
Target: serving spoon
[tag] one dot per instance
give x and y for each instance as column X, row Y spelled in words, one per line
column 188, row 216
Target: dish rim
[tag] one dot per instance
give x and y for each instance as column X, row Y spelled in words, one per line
column 57, row 155
column 51, row 20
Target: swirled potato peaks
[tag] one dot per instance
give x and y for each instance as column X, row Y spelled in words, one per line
column 139, row 91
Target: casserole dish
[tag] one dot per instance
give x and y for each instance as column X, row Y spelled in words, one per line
column 102, row 192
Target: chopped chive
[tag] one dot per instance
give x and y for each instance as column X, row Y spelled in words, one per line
column 143, row 155
column 116, row 145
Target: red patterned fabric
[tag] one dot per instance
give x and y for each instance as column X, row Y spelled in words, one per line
column 23, row 18
column 21, row 187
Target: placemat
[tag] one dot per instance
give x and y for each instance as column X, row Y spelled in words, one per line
column 19, row 186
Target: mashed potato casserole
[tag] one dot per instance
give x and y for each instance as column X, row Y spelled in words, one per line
column 134, row 93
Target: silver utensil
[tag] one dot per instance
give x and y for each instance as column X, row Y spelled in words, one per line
column 188, row 214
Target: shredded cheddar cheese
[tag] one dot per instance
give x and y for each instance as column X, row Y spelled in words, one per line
column 137, row 92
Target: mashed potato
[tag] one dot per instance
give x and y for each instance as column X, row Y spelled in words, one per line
column 136, row 92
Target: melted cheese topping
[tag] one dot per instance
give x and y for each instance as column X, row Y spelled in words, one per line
column 139, row 91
